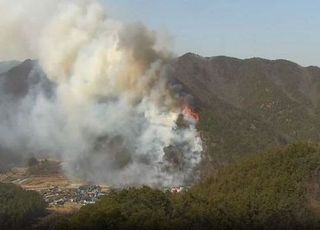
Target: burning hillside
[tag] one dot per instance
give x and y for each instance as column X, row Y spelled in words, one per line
column 189, row 113
column 111, row 111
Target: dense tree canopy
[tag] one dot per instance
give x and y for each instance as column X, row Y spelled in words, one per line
column 19, row 208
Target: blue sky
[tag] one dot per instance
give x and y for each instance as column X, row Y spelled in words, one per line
column 287, row 29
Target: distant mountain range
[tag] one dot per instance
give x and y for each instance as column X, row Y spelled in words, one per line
column 246, row 106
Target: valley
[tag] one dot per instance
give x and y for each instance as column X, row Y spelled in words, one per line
column 60, row 193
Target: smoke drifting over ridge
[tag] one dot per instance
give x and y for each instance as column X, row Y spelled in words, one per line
column 111, row 115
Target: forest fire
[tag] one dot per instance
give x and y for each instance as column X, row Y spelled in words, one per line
column 70, row 110
column 189, row 113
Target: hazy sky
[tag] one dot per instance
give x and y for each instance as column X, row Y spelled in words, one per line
column 288, row 29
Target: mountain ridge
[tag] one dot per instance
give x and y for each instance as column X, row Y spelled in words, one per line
column 250, row 105
column 248, row 59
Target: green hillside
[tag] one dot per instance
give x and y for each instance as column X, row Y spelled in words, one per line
column 279, row 188
column 19, row 209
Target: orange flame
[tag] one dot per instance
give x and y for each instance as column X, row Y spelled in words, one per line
column 189, row 113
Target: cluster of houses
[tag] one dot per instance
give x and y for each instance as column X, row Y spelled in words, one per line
column 86, row 194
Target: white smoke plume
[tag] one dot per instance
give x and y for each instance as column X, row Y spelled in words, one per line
column 113, row 115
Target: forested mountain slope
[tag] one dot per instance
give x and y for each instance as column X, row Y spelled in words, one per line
column 248, row 106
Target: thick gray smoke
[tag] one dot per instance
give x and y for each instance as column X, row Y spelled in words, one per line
column 107, row 109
